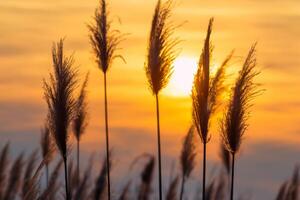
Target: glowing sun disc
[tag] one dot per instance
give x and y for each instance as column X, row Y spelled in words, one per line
column 181, row 81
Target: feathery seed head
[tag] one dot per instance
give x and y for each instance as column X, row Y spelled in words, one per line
column 188, row 153
column 104, row 40
column 207, row 89
column 59, row 96
column 80, row 117
column 234, row 123
column 161, row 53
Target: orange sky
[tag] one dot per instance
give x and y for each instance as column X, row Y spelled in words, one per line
column 28, row 29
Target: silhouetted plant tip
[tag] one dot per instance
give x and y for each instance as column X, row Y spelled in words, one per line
column 3, row 168
column 159, row 63
column 146, row 179
column 14, row 180
column 172, row 190
column 105, row 42
column 225, row 157
column 101, row 182
column 234, row 123
column 187, row 158
column 289, row 190
column 206, row 94
column 80, row 120
column 53, row 186
column 59, row 95
column 47, row 148
column 125, row 192
column 28, row 172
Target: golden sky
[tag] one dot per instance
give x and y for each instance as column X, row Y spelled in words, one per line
column 29, row 27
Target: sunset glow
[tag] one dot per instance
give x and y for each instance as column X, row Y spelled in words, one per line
column 29, row 29
column 183, row 75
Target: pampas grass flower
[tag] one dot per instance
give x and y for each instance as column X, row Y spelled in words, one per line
column 187, row 158
column 206, row 94
column 47, row 148
column 105, row 42
column 59, row 94
column 234, row 123
column 80, row 120
column 160, row 58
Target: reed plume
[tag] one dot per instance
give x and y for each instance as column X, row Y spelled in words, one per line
column 172, row 191
column 101, row 181
column 31, row 183
column 80, row 120
column 282, row 193
column 293, row 190
column 216, row 189
column 81, row 191
column 14, row 180
column 31, row 162
column 105, row 42
column 234, row 123
column 146, row 178
column 187, row 158
column 160, row 58
column 125, row 192
column 50, row 192
column 206, row 94
column 3, row 168
column 225, row 157
column 47, row 148
column 289, row 190
column 59, row 96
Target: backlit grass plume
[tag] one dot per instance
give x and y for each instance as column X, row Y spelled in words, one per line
column 225, row 158
column 80, row 120
column 105, row 42
column 146, row 179
column 47, row 148
column 159, row 62
column 3, row 168
column 15, row 178
column 172, row 190
column 59, row 94
column 187, row 158
column 235, row 119
column 206, row 93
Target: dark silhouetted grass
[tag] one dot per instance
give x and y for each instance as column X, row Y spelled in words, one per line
column 206, row 94
column 47, row 148
column 59, row 94
column 160, row 58
column 234, row 123
column 105, row 42
column 80, row 120
column 187, row 158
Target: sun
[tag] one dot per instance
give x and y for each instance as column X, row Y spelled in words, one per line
column 183, row 76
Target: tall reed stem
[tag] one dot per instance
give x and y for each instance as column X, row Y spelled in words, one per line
column 107, row 138
column 158, row 148
column 204, row 170
column 182, row 187
column 66, row 180
column 232, row 176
